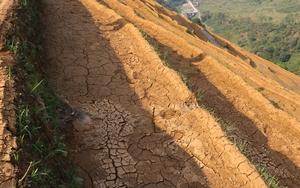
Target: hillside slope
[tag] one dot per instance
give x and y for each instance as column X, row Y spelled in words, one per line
column 135, row 75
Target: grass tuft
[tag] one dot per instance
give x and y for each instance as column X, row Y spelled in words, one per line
column 272, row 181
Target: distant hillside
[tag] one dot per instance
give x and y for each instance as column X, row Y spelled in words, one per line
column 268, row 28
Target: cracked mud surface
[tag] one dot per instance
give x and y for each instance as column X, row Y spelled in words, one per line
column 7, row 119
column 136, row 124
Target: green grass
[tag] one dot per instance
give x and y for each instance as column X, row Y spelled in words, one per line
column 185, row 80
column 39, row 138
column 198, row 96
column 190, row 32
column 272, row 181
column 253, row 9
column 242, row 148
column 228, row 129
column 138, row 14
column 162, row 55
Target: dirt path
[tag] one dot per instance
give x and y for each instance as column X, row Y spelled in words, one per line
column 7, row 119
column 135, row 122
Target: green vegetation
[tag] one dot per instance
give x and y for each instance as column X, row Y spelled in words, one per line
column 270, row 180
column 163, row 57
column 273, row 35
column 197, row 21
column 268, row 28
column 138, row 14
column 190, row 32
column 198, row 96
column 174, row 5
column 242, row 148
column 41, row 151
column 231, row 132
column 185, row 80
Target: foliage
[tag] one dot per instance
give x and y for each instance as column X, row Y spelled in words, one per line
column 277, row 42
column 197, row 21
column 288, row 6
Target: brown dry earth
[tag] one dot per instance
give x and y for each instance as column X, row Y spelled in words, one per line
column 136, row 124
column 7, row 119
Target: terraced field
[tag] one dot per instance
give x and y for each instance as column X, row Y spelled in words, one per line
column 155, row 104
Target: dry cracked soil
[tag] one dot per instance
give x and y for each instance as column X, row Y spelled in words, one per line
column 133, row 78
column 7, row 118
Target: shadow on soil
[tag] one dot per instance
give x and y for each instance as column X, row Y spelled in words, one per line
column 256, row 143
column 97, row 75
column 7, row 122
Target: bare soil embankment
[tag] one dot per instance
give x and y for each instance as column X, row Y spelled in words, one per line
column 7, row 119
column 138, row 124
